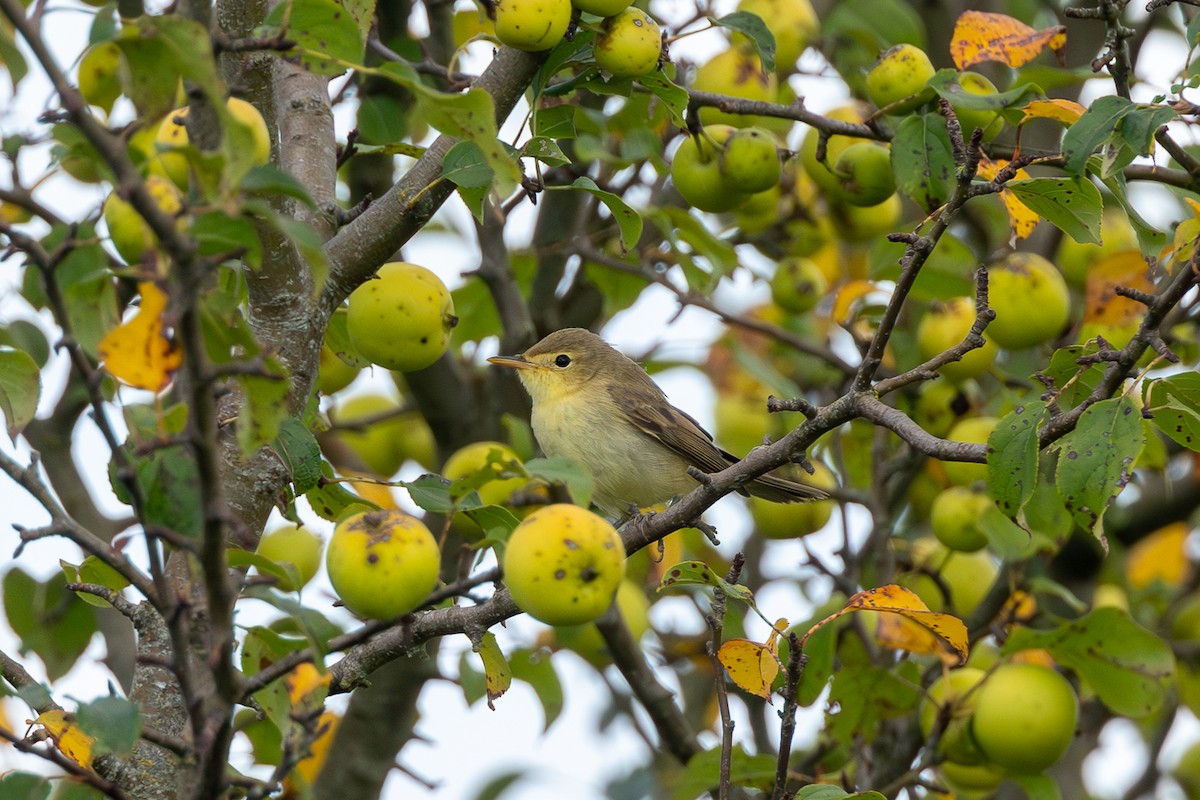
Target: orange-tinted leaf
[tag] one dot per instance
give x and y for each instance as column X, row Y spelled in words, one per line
column 307, row 686
column 846, row 303
column 138, row 352
column 1161, row 556
column 751, row 666
column 496, row 671
column 980, row 36
column 1102, row 304
column 925, row 632
column 1021, row 218
column 67, row 736
column 1067, row 112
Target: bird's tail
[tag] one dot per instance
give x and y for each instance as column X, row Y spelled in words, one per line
column 781, row 490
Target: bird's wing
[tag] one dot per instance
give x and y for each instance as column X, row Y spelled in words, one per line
column 675, row 429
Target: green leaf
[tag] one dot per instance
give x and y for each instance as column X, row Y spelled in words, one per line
column 327, row 37
column 315, row 627
column 825, row 791
column 1074, row 382
column 673, row 96
column 218, row 234
column 628, row 220
column 24, row 335
column 545, row 150
column 167, row 481
column 496, row 522
column 94, row 571
column 697, row 573
column 1129, row 667
column 114, row 722
column 1096, row 459
column 265, row 409
column 1072, row 205
column 703, row 772
column 923, row 159
column 465, row 166
column 23, row 785
column 331, row 500
column 20, row 387
column 301, row 454
column 497, row 673
column 284, row 571
column 1174, row 406
column 160, row 51
column 267, row 180
column 556, row 122
column 536, row 668
column 1013, row 458
column 564, row 471
column 946, row 84
column 11, row 58
column 431, row 493
column 759, row 34
column 1150, row 239
column 49, row 620
column 1096, row 127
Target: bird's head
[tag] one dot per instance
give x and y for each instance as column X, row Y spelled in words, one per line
column 563, row 363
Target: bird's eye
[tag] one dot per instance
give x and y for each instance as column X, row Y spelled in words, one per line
column 562, row 360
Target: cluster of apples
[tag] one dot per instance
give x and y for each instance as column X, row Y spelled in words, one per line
column 628, row 43
column 169, row 174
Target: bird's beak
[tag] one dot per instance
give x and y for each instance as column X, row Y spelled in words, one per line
column 513, row 362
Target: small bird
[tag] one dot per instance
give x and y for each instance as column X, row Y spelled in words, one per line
column 599, row 407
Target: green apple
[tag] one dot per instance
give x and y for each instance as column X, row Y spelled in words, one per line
column 563, row 565
column 952, row 699
column 967, row 576
column 130, row 234
column 696, row 171
column 99, row 75
column 939, row 405
column 629, row 44
column 1116, row 235
column 1031, row 301
column 402, row 318
column 864, row 172
column 988, row 119
column 297, row 550
column 750, row 160
column 858, row 224
column 798, row 284
column 897, row 81
column 955, row 518
column 1024, row 718
column 737, row 73
column 794, row 23
column 586, row 640
column 471, row 23
column 795, row 520
column 469, row 461
column 370, row 425
column 1186, row 771
column 822, row 172
column 975, row 430
column 532, row 25
column 945, row 326
column 971, row 782
column 333, row 374
column 382, row 564
column 760, row 211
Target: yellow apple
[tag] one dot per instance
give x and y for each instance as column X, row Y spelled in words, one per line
column 563, row 565
column 955, row 518
column 952, row 698
column 945, row 326
column 532, row 25
column 382, row 564
column 130, row 234
column 737, row 73
column 402, row 318
column 370, row 425
column 794, row 24
column 896, row 83
column 629, row 44
column 1030, row 299
column 172, row 135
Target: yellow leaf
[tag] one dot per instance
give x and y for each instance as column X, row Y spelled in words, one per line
column 751, row 666
column 496, row 671
column 980, row 36
column 67, row 736
column 1067, row 112
column 1101, row 303
column 307, row 686
column 912, row 627
column 1161, row 556
column 1021, row 218
column 847, row 299
column 138, row 351
column 299, row 781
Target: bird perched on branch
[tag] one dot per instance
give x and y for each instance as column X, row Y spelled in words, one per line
column 599, row 407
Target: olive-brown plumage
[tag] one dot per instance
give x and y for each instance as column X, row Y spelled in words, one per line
column 598, row 407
